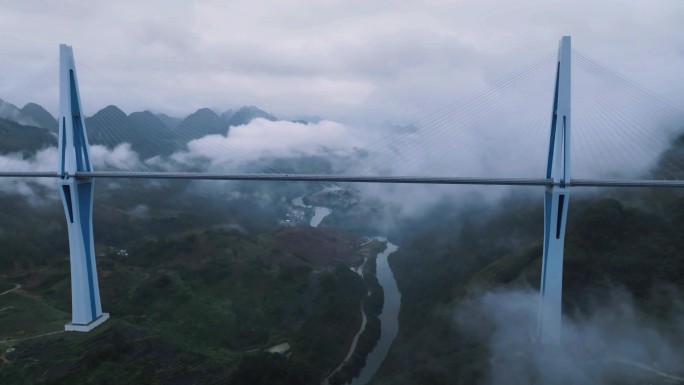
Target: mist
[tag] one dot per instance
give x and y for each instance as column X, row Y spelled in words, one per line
column 426, row 89
column 263, row 139
column 38, row 190
column 614, row 343
column 500, row 132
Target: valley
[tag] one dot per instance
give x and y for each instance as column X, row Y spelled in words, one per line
column 203, row 278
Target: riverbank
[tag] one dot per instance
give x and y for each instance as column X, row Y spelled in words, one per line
column 389, row 317
column 352, row 348
column 382, row 308
column 379, row 311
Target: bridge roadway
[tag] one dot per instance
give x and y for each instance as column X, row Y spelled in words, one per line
column 356, row 178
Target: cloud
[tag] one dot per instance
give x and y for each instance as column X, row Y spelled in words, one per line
column 45, row 160
column 120, row 157
column 344, row 60
column 616, row 343
column 371, row 66
column 262, row 139
column 35, row 189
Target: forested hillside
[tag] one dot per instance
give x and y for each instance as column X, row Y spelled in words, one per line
column 623, row 259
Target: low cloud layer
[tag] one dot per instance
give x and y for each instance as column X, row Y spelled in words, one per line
column 476, row 143
column 344, row 60
column 33, row 189
column 120, row 157
column 616, row 343
column 261, row 139
column 46, row 160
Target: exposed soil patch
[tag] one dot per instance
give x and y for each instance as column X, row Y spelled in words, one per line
column 321, row 247
column 36, row 278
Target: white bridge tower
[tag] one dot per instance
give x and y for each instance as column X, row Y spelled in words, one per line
column 77, row 196
column 556, row 200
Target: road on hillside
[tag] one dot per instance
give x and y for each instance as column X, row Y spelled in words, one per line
column 16, row 286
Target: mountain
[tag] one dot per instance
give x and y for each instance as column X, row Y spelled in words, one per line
column 201, row 123
column 157, row 133
column 146, row 133
column 170, row 121
column 248, row 113
column 207, row 122
column 149, row 134
column 40, row 117
column 9, row 111
column 25, row 139
column 30, row 115
column 108, row 126
column 227, row 115
column 149, row 121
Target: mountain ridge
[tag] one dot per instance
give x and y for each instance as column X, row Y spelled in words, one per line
column 148, row 133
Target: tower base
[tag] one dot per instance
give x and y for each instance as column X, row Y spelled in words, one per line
column 72, row 327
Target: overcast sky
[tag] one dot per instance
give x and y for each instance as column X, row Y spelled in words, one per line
column 382, row 60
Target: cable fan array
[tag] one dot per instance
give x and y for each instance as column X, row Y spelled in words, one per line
column 620, row 130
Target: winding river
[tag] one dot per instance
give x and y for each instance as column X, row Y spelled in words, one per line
column 389, row 317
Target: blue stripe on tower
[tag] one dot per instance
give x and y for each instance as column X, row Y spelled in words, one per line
column 81, row 153
column 549, row 164
column 67, row 198
column 559, row 219
column 84, row 202
column 63, row 143
column 554, row 117
column 76, row 122
column 75, row 110
column 547, row 230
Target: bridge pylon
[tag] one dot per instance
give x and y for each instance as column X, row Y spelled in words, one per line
column 556, row 200
column 77, row 197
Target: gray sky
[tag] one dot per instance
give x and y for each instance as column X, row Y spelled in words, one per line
column 381, row 60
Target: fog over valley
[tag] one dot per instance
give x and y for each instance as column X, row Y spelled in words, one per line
column 523, row 272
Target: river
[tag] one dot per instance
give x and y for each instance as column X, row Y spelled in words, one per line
column 389, row 318
column 319, row 212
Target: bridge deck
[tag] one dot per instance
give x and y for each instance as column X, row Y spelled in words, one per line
column 357, row 179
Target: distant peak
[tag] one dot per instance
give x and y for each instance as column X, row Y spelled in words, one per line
column 30, row 105
column 205, row 111
column 145, row 113
column 246, row 114
column 112, row 109
column 33, row 108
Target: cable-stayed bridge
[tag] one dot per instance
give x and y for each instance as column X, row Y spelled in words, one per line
column 619, row 135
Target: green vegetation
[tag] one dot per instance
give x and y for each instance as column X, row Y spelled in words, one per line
column 267, row 369
column 372, row 306
column 199, row 285
column 633, row 243
column 116, row 353
column 26, row 316
column 192, row 305
column 25, row 139
column 328, row 334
